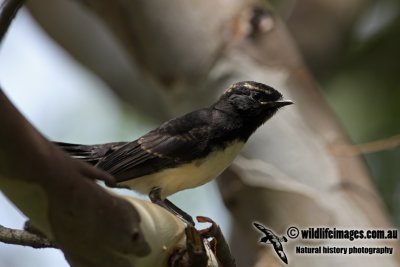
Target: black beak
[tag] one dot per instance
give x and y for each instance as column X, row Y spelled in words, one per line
column 277, row 104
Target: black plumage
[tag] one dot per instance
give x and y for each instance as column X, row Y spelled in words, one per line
column 215, row 133
column 186, row 138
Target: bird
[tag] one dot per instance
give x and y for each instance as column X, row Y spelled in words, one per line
column 273, row 239
column 187, row 151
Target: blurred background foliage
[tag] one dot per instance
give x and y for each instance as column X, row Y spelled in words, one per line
column 361, row 82
column 364, row 90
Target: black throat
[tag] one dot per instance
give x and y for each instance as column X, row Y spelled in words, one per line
column 229, row 125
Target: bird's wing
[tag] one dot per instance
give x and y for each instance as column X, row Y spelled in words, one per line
column 89, row 153
column 259, row 226
column 175, row 142
column 264, row 230
column 281, row 253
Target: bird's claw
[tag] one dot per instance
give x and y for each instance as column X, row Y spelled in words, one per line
column 218, row 242
column 211, row 231
column 194, row 254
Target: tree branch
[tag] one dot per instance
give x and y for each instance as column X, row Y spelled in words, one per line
column 24, row 238
column 91, row 226
column 9, row 9
column 365, row 148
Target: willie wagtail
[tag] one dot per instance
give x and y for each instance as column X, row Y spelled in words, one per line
column 187, row 151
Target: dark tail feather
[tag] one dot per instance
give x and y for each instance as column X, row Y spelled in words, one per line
column 89, row 153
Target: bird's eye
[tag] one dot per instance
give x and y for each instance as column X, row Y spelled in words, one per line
column 258, row 96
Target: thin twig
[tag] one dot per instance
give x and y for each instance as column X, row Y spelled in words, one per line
column 371, row 147
column 8, row 10
column 24, row 238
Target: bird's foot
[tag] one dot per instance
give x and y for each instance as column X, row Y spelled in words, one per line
column 218, row 242
column 211, row 231
column 179, row 213
column 194, row 255
column 155, row 197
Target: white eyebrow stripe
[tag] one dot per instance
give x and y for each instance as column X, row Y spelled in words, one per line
column 251, row 87
column 228, row 90
column 248, row 86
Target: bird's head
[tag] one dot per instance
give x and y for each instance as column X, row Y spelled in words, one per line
column 254, row 100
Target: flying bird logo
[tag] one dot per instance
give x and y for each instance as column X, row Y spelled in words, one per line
column 271, row 238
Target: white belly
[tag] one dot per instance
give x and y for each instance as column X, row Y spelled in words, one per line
column 188, row 175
